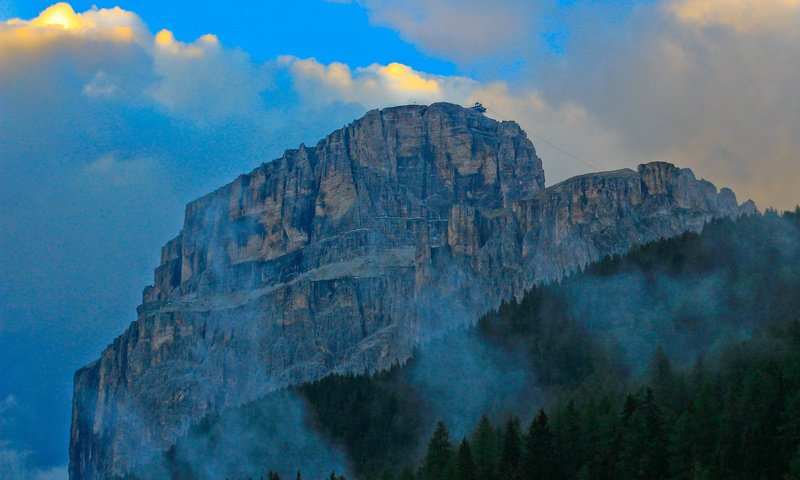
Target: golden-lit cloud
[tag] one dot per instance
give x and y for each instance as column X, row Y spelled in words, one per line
column 60, row 14
column 120, row 57
column 378, row 86
column 165, row 40
column 61, row 21
column 375, row 85
column 742, row 15
column 404, row 78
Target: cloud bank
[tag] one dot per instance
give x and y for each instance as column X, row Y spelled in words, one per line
column 461, row 30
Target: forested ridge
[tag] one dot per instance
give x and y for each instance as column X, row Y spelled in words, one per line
column 679, row 360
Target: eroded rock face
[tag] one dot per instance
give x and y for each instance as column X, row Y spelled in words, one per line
column 344, row 256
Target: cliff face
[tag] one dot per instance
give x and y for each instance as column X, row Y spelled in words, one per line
column 343, row 256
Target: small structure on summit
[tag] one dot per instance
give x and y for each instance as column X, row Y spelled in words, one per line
column 478, row 107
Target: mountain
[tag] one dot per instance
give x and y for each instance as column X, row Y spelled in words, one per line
column 342, row 257
column 708, row 322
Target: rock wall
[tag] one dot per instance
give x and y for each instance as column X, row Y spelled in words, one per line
column 342, row 257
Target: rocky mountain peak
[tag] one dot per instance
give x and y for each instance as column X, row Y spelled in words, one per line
column 343, row 256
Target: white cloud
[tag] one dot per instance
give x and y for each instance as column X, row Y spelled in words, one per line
column 203, row 81
column 462, row 30
column 14, row 461
column 101, row 85
column 689, row 83
column 6, row 410
column 16, row 464
column 54, row 473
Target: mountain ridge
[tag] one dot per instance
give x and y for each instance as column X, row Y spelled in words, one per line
column 407, row 222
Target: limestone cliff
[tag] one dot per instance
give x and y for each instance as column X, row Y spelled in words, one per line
column 343, row 256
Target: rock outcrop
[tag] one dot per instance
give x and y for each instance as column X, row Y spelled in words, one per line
column 344, row 256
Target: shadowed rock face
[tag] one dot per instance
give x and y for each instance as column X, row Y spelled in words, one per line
column 342, row 257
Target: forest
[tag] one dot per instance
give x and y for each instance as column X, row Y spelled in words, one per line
column 678, row 360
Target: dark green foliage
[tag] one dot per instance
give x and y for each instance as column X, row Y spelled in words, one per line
column 539, row 460
column 407, row 474
column 465, row 464
column 386, row 475
column 642, row 449
column 377, row 419
column 439, row 455
column 510, row 451
column 485, row 450
column 739, row 421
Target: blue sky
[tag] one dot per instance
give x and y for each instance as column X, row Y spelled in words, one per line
column 109, row 125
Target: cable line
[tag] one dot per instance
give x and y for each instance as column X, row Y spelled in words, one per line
column 548, row 142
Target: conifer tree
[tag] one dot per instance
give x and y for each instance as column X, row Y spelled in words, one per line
column 484, row 450
column 439, row 454
column 569, row 443
column 642, row 446
column 386, row 475
column 510, row 451
column 666, row 384
column 465, row 465
column 407, row 474
column 794, row 467
column 539, row 461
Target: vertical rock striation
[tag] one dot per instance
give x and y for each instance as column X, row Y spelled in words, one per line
column 343, row 256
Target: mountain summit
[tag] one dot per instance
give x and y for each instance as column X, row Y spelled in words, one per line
column 344, row 256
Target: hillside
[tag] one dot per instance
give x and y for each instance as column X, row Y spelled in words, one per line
column 676, row 360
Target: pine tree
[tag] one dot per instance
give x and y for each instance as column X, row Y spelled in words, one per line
column 694, row 440
column 794, row 467
column 643, row 451
column 465, row 465
column 450, row 472
column 484, row 450
column 658, row 445
column 439, row 454
column 386, row 475
column 298, row 476
column 407, row 474
column 603, row 425
column 510, row 451
column 539, row 460
column 569, row 442
column 666, row 384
